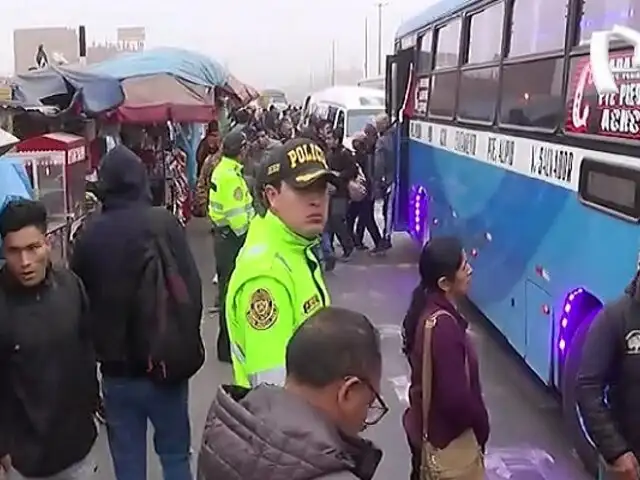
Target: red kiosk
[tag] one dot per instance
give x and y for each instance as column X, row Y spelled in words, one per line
column 58, row 165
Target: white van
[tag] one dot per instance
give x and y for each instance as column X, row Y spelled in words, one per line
column 349, row 108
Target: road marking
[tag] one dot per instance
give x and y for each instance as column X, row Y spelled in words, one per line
column 512, row 462
column 389, row 330
column 401, row 387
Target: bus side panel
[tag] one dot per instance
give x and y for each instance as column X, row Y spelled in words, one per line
column 519, row 229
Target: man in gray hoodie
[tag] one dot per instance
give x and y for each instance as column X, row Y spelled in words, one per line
column 308, row 429
column 385, row 173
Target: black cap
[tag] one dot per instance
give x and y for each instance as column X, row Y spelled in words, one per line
column 299, row 163
column 234, row 142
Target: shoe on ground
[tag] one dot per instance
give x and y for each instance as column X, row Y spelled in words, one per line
column 330, row 264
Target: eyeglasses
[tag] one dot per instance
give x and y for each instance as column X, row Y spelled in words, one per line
column 377, row 408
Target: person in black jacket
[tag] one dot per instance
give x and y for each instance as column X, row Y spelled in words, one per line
column 608, row 383
column 48, row 384
column 361, row 213
column 107, row 257
column 341, row 161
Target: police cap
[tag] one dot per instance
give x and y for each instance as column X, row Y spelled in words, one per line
column 299, row 163
column 233, row 143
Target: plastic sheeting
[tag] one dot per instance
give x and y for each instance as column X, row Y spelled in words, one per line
column 7, row 141
column 184, row 64
column 160, row 98
column 66, row 87
column 14, row 180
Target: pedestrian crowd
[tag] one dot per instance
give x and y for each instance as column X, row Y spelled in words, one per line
column 119, row 329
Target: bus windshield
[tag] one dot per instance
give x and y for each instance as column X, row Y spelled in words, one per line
column 357, row 119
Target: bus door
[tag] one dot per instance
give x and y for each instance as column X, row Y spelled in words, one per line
column 398, row 79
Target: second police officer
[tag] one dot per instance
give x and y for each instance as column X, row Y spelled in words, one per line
column 230, row 212
column 278, row 281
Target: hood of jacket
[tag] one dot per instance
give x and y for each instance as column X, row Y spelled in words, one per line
column 122, row 179
column 270, row 433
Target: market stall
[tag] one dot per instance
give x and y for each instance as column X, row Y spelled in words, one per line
column 170, row 93
column 56, row 165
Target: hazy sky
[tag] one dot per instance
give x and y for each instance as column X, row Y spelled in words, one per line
column 264, row 42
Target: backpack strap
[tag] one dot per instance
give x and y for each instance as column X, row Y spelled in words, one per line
column 427, row 365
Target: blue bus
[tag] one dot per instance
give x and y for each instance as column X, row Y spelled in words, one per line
column 504, row 142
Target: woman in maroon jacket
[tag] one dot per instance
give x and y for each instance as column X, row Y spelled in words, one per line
column 456, row 406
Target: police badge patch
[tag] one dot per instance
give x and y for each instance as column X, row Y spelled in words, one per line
column 262, row 312
column 237, row 194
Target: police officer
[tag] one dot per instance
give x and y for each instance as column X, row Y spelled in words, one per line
column 230, row 211
column 278, row 281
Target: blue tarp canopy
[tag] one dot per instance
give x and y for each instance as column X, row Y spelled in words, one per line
column 429, row 15
column 14, row 183
column 66, row 87
column 14, row 180
column 183, row 64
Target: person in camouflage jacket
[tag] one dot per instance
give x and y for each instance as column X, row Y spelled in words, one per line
column 201, row 197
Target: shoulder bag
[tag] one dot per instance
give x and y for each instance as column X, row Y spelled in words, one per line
column 462, row 459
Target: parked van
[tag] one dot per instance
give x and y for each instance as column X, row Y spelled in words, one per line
column 349, row 108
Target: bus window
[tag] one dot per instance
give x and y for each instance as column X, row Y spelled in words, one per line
column 485, row 35
column 614, row 188
column 537, row 26
column 408, row 42
column 478, row 94
column 611, row 117
column 442, row 99
column 340, row 121
column 425, row 57
column 332, row 112
column 448, row 45
column 600, row 15
column 532, row 94
column 358, row 119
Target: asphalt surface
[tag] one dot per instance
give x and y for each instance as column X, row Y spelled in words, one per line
column 526, row 442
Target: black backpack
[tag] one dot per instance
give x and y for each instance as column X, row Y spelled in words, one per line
column 166, row 319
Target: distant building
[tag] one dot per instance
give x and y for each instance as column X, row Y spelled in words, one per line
column 61, row 41
column 60, row 45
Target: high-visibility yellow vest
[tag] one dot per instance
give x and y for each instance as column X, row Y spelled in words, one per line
column 277, row 283
column 230, row 201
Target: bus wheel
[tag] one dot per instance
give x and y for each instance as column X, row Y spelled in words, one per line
column 571, row 414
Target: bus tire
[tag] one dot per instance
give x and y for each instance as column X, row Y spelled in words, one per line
column 581, row 443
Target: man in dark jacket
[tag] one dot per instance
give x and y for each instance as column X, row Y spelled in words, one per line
column 341, row 161
column 107, row 257
column 48, row 384
column 360, row 215
column 308, row 429
column 385, row 168
column 608, row 383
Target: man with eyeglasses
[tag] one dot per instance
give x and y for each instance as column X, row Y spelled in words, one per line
column 310, row 427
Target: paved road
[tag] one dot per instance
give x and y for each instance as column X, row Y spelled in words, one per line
column 525, row 442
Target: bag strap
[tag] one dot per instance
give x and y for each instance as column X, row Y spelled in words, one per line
column 427, row 365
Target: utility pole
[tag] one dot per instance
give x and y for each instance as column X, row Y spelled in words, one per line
column 366, row 47
column 333, row 63
column 380, row 6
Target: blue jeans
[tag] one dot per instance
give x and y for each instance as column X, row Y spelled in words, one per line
column 129, row 405
column 326, row 245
